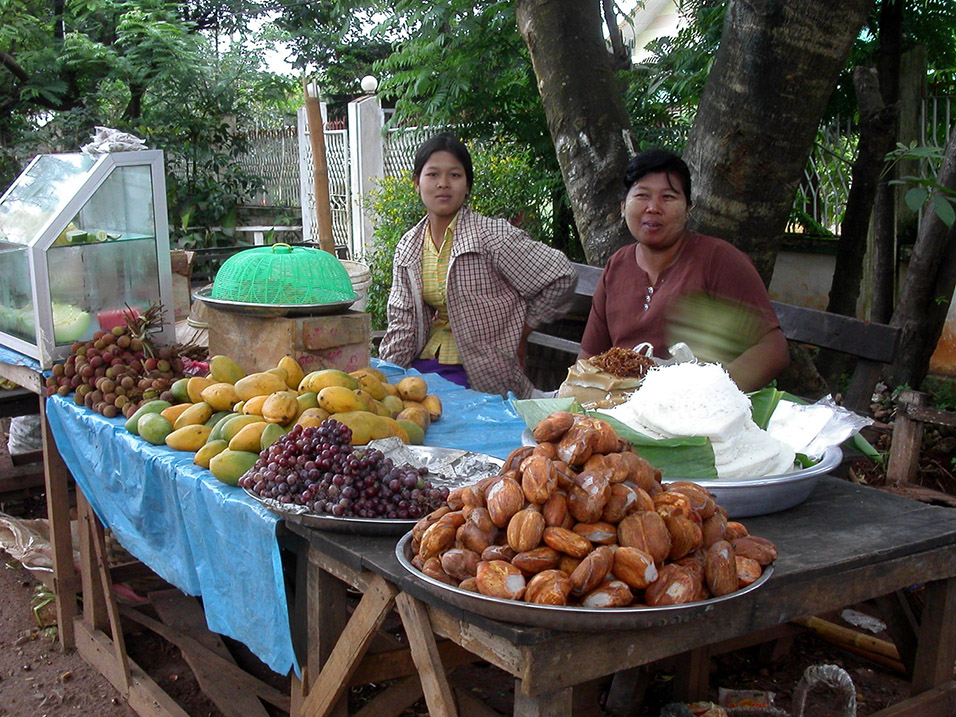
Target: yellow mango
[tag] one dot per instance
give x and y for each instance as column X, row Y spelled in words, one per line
column 370, row 384
column 379, row 409
column 210, row 449
column 369, row 371
column 433, row 405
column 233, row 425
column 395, row 428
column 195, row 386
column 294, row 371
column 280, row 407
column 228, row 466
column 315, row 381
column 312, row 417
column 174, row 411
column 281, row 373
column 365, row 398
column 338, row 399
column 253, row 407
column 248, row 437
column 412, row 388
column 363, row 425
column 415, row 414
column 221, row 396
column 258, row 384
column 224, row 369
column 195, row 414
column 188, row 438
column 391, row 389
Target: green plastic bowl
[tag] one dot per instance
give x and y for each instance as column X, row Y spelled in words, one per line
column 282, row 274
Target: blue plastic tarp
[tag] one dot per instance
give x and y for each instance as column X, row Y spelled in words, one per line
column 202, row 536
column 211, row 539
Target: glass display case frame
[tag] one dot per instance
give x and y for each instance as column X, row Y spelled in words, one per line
column 131, row 252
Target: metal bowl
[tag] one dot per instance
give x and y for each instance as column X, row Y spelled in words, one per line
column 270, row 310
column 572, row 618
column 759, row 496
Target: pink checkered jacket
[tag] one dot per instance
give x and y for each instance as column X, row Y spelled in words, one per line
column 499, row 279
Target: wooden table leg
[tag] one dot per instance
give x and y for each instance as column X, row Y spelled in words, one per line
column 368, row 616
column 936, row 649
column 57, row 477
column 692, row 676
column 549, row 704
column 421, row 641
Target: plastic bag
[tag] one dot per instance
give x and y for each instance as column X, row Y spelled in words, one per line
column 106, row 139
column 24, row 435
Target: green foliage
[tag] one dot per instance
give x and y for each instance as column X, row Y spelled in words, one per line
column 924, row 189
column 505, row 186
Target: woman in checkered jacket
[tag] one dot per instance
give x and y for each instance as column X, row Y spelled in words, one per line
column 467, row 289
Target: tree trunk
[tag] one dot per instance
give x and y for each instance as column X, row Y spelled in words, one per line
column 928, row 288
column 885, row 249
column 585, row 112
column 777, row 65
column 877, row 135
column 620, row 57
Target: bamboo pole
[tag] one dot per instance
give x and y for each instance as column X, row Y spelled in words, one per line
column 320, row 168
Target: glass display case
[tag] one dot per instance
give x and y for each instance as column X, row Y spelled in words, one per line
column 83, row 239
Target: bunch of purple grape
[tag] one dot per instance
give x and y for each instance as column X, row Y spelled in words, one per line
column 317, row 467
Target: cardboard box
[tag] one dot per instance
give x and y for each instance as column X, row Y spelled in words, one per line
column 181, row 265
column 335, row 341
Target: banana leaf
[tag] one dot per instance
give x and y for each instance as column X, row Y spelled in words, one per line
column 533, row 410
column 685, row 458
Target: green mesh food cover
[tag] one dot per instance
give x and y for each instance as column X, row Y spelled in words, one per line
column 281, row 274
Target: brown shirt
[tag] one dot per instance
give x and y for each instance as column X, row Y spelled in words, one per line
column 628, row 309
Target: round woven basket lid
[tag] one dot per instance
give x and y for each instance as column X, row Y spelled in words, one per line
column 282, row 274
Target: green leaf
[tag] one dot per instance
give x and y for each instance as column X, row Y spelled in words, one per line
column 763, row 403
column 688, row 458
column 944, row 210
column 914, row 198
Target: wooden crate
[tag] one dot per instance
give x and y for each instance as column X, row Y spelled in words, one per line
column 336, row 341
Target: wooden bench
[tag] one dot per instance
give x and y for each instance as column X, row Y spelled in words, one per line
column 872, row 344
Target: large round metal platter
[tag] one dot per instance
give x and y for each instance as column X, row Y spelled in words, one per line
column 460, row 467
column 270, row 310
column 747, row 497
column 560, row 617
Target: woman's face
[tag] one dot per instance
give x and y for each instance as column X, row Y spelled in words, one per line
column 442, row 184
column 655, row 211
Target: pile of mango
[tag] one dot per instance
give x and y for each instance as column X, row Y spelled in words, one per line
column 228, row 417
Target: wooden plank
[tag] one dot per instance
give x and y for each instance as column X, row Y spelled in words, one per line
column 918, row 412
column 328, row 615
column 394, row 700
column 228, row 670
column 144, row 696
column 472, row 706
column 907, row 438
column 183, row 614
column 901, row 625
column 421, row 641
column 94, row 600
column 18, row 402
column 939, row 700
column 369, row 614
column 627, row 691
column 864, row 339
column 105, row 585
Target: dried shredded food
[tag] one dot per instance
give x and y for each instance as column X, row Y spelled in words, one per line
column 621, row 362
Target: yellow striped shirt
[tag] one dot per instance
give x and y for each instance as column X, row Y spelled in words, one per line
column 441, row 342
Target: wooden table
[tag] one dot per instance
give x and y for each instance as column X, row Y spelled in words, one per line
column 846, row 544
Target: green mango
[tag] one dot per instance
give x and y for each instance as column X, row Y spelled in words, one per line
column 178, row 389
column 156, row 406
column 154, row 428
